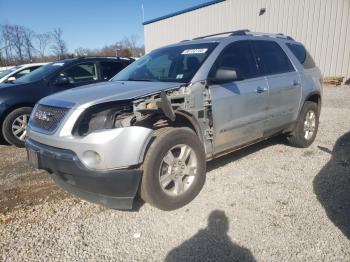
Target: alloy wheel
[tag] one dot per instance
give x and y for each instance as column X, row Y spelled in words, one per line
column 309, row 124
column 19, row 127
column 178, row 170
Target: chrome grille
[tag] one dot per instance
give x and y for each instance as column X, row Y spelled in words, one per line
column 47, row 118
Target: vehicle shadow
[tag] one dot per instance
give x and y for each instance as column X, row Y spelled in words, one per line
column 332, row 185
column 241, row 153
column 3, row 142
column 211, row 244
column 221, row 161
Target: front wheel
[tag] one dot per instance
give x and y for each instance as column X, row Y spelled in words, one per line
column 14, row 127
column 306, row 127
column 174, row 169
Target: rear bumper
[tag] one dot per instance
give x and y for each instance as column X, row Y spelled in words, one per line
column 114, row 189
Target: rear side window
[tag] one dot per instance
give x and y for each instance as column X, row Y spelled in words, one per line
column 302, row 55
column 237, row 56
column 85, row 72
column 271, row 58
column 110, row 69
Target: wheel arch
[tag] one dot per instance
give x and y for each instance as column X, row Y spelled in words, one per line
column 316, row 98
column 11, row 108
column 183, row 119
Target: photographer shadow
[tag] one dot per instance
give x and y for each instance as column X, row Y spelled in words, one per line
column 211, row 244
column 332, row 185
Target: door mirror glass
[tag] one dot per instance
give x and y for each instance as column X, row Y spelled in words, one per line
column 62, row 81
column 225, row 74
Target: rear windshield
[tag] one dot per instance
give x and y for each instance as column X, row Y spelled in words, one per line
column 302, row 55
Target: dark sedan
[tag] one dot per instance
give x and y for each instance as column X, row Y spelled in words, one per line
column 18, row 98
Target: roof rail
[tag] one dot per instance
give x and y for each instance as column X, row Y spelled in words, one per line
column 240, row 32
column 245, row 32
column 237, row 32
column 278, row 35
column 108, row 57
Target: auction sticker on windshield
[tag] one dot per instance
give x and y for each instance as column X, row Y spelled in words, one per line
column 194, row 51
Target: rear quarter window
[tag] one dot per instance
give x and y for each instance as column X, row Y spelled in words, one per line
column 302, row 55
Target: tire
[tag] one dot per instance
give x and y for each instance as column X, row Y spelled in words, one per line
column 176, row 194
column 10, row 122
column 299, row 137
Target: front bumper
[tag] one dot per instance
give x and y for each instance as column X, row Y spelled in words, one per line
column 114, row 189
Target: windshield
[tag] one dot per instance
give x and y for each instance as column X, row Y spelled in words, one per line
column 169, row 64
column 8, row 71
column 39, row 73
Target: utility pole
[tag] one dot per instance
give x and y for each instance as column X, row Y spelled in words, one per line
column 143, row 13
column 118, row 48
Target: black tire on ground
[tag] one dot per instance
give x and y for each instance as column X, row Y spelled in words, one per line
column 296, row 138
column 7, row 125
column 151, row 190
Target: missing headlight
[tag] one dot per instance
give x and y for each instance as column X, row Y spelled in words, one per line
column 99, row 117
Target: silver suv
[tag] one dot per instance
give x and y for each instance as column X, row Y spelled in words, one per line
column 151, row 129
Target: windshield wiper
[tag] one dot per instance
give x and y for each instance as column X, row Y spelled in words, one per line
column 142, row 80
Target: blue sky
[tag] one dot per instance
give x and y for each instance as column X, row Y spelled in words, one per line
column 88, row 23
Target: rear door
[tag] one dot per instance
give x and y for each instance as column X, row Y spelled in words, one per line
column 110, row 69
column 284, row 84
column 238, row 107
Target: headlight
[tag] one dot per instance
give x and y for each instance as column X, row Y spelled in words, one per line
column 99, row 117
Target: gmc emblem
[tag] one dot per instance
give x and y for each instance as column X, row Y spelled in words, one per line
column 43, row 115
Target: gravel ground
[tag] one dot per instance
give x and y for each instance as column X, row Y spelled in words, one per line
column 268, row 202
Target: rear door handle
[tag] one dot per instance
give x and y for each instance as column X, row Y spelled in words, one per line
column 260, row 89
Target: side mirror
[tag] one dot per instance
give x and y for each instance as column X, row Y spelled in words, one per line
column 62, row 80
column 11, row 79
column 225, row 74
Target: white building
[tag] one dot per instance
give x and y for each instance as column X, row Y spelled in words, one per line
column 323, row 26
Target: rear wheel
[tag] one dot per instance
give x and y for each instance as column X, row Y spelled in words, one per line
column 14, row 127
column 305, row 130
column 174, row 169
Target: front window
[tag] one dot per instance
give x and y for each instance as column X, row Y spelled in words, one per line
column 170, row 64
column 40, row 73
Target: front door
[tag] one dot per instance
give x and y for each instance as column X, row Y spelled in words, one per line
column 78, row 75
column 239, row 107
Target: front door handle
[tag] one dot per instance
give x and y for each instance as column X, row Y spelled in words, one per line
column 296, row 83
column 260, row 89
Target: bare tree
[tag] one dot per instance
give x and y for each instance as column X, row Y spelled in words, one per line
column 28, row 36
column 42, row 42
column 130, row 43
column 59, row 45
column 6, row 40
column 19, row 44
column 81, row 52
column 17, row 40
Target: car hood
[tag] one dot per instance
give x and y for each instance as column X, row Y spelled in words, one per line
column 88, row 95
